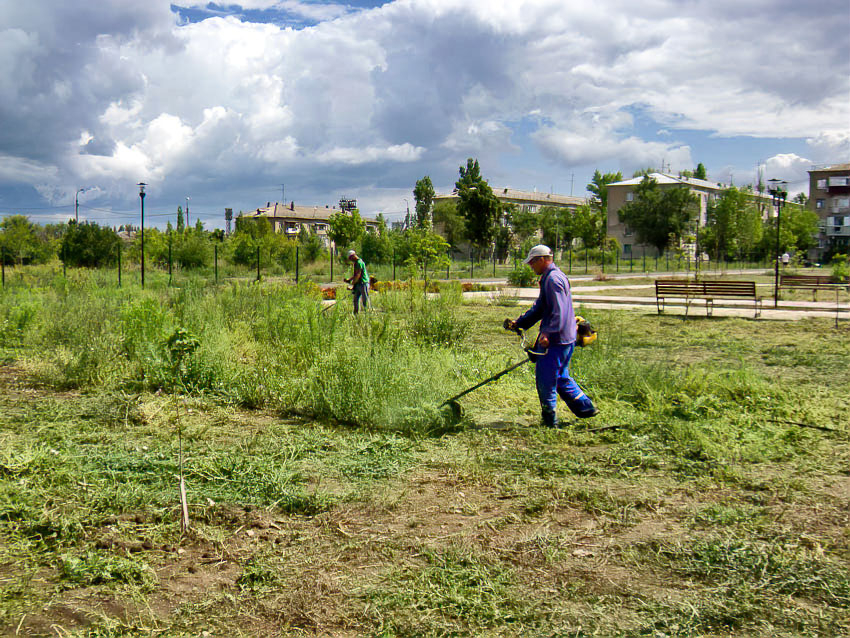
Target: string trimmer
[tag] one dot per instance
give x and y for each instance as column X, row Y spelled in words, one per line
column 586, row 335
column 532, row 353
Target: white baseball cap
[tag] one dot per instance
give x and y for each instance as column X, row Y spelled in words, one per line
column 351, row 253
column 538, row 251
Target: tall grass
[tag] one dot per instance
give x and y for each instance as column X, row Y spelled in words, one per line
column 244, row 344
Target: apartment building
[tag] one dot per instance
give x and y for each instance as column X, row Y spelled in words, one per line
column 289, row 219
column 527, row 201
column 621, row 193
column 829, row 197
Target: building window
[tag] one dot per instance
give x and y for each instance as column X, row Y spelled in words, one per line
column 630, row 197
column 822, row 184
column 627, row 249
column 819, row 204
column 627, row 230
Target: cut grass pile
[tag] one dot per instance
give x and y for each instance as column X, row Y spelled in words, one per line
column 326, row 498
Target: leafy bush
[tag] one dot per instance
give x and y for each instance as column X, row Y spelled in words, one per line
column 840, row 268
column 522, row 276
column 89, row 245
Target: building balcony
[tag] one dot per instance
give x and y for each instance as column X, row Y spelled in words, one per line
column 838, row 231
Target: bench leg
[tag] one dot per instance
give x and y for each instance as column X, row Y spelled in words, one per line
column 659, row 304
column 709, row 307
column 757, row 309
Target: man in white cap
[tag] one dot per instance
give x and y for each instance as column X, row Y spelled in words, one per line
column 557, row 335
column 359, row 281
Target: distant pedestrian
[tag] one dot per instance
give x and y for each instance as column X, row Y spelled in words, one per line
column 786, row 259
column 359, row 281
column 557, row 336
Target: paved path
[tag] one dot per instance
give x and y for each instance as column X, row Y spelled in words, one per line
column 590, row 296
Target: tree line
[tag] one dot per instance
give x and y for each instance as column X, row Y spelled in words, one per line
column 665, row 218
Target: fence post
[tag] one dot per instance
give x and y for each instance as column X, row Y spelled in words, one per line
column 393, row 264
column 119, row 264
column 64, row 263
column 332, row 263
column 449, row 264
column 494, row 263
column 170, row 262
column 215, row 262
column 585, row 259
column 618, row 260
column 297, row 263
column 471, row 265
column 571, row 260
column 644, row 259
column 3, row 265
column 667, row 260
column 258, row 263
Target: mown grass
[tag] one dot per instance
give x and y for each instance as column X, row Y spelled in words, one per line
column 328, row 496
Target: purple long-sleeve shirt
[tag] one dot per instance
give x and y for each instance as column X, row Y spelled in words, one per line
column 553, row 308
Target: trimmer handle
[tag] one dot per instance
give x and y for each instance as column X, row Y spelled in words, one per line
column 508, row 325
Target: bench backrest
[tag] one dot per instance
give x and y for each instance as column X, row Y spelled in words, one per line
column 705, row 288
column 817, row 280
column 731, row 288
column 678, row 287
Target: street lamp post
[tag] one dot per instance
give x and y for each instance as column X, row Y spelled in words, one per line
column 779, row 193
column 187, row 211
column 77, row 204
column 142, row 200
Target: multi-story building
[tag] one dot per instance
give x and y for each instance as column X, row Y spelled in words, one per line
column 289, row 219
column 829, row 197
column 621, row 193
column 527, row 201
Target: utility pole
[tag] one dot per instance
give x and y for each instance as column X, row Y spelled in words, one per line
column 187, row 211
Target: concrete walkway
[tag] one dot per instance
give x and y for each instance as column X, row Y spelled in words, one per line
column 590, row 296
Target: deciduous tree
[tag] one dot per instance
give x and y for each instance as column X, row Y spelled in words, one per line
column 477, row 205
column 659, row 216
column 450, row 222
column 346, row 228
column 423, row 194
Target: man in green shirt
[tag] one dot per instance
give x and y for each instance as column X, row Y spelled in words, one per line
column 359, row 281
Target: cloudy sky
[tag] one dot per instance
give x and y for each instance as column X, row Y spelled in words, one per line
column 235, row 105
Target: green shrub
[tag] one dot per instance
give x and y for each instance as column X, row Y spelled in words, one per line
column 522, row 276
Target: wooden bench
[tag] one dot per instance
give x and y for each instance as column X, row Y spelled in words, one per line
column 813, row 282
column 708, row 290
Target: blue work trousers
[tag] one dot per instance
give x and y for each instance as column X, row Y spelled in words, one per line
column 553, row 379
column 360, row 291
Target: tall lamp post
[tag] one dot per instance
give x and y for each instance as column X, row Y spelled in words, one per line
column 142, row 200
column 779, row 193
column 187, row 211
column 77, row 204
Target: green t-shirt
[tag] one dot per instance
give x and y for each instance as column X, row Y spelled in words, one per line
column 364, row 279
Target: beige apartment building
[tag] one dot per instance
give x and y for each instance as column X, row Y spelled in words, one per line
column 829, row 197
column 621, row 193
column 526, row 201
column 289, row 219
